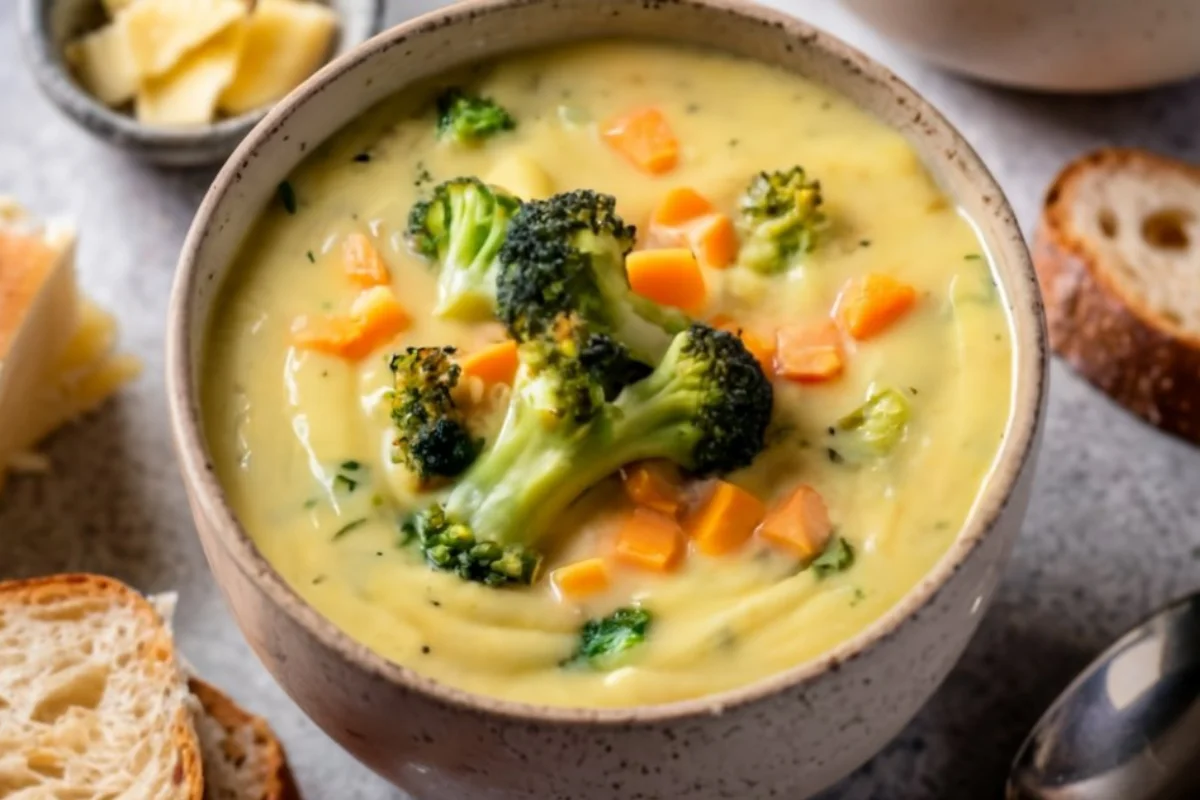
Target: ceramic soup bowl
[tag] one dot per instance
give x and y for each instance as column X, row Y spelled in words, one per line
column 787, row 736
column 1049, row 45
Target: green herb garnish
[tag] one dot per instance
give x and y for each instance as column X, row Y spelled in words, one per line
column 349, row 526
column 287, row 196
column 343, row 484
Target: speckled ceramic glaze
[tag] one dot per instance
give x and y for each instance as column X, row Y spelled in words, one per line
column 46, row 27
column 1053, row 45
column 787, row 736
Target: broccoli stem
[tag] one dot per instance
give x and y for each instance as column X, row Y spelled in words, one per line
column 517, row 491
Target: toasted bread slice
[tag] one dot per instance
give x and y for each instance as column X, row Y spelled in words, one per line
column 1118, row 256
column 93, row 702
column 242, row 758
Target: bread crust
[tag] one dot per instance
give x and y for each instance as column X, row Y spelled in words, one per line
column 43, row 591
column 280, row 784
column 1146, row 363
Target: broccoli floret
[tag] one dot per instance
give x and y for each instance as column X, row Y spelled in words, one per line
column 452, row 547
column 432, row 438
column 467, row 118
column 566, row 255
column 877, row 426
column 460, row 230
column 705, row 407
column 603, row 642
column 838, row 556
column 779, row 219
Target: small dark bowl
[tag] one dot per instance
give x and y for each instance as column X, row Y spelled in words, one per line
column 46, row 26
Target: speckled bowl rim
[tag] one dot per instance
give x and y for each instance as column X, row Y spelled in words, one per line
column 51, row 73
column 1027, row 319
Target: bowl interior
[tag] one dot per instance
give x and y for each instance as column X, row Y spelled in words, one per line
column 49, row 25
column 472, row 31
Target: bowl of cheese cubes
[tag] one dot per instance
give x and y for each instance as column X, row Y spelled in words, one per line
column 180, row 82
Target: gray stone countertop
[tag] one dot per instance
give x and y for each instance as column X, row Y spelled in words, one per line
column 1113, row 530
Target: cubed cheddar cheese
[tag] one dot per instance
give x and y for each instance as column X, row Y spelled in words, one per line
column 286, row 41
column 187, row 95
column 162, row 32
column 103, row 63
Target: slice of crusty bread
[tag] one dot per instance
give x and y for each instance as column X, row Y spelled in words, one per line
column 242, row 758
column 1118, row 256
column 93, row 702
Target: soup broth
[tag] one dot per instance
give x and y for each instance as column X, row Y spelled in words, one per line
column 302, row 439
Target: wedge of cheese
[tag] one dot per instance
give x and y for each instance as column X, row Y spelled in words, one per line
column 286, row 41
column 162, row 32
column 104, row 64
column 56, row 351
column 187, row 95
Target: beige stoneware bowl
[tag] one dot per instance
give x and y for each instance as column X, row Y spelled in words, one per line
column 788, row 736
column 1050, row 45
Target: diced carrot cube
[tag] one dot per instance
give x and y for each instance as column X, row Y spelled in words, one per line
column 715, row 238
column 669, row 276
column 654, row 485
column 725, row 519
column 581, row 579
column 680, row 205
column 362, row 262
column 799, row 524
column 649, row 540
column 376, row 317
column 645, row 139
column 495, row 363
column 809, row 352
column 870, row 304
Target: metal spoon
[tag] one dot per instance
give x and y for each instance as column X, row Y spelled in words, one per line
column 1128, row 728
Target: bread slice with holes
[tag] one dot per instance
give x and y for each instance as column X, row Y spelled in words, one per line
column 93, row 701
column 242, row 758
column 1118, row 257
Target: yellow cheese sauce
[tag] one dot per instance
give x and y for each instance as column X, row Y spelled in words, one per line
column 283, row 422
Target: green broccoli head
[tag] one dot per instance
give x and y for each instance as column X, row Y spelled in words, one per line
column 467, row 118
column 779, row 219
column 460, row 229
column 603, row 642
column 571, row 371
column 706, row 406
column 452, row 547
column 432, row 439
column 566, row 256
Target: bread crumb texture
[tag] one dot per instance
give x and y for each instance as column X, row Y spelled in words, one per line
column 93, row 703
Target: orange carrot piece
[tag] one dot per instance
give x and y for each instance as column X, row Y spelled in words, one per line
column 725, row 520
column 375, row 319
column 716, row 240
column 581, row 579
column 362, row 262
column 799, row 524
column 762, row 349
column 669, row 276
column 871, row 304
column 645, row 139
column 680, row 205
column 654, row 485
column 809, row 352
column 649, row 540
column 495, row 363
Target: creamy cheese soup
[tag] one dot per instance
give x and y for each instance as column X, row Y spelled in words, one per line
column 302, row 436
